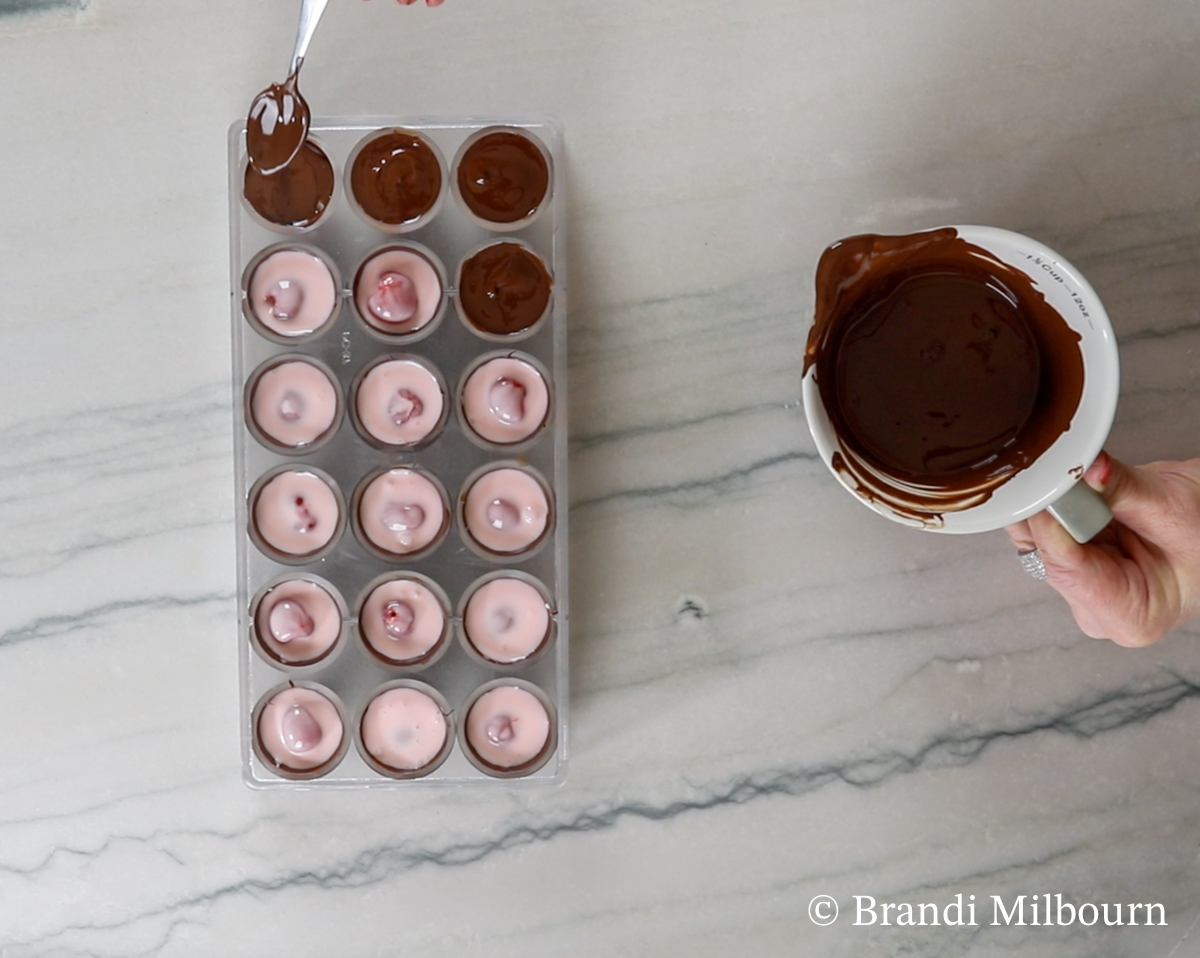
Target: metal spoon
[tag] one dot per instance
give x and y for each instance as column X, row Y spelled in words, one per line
column 278, row 121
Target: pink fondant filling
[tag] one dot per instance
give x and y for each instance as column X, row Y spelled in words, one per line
column 398, row 291
column 404, row 729
column 505, row 400
column 399, row 402
column 506, row 510
column 402, row 620
column 394, row 299
column 292, row 293
column 296, row 513
column 508, row 727
column 506, row 620
column 294, row 403
column 298, row 621
column 300, row 729
column 402, row 512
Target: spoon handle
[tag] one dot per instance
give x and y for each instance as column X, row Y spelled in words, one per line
column 310, row 16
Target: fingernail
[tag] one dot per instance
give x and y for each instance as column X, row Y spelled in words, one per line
column 1100, row 471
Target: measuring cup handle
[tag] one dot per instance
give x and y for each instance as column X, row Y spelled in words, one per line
column 1081, row 511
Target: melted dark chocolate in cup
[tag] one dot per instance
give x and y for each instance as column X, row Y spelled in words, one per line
column 504, row 289
column 276, row 126
column 503, row 177
column 943, row 370
column 396, row 178
column 295, row 196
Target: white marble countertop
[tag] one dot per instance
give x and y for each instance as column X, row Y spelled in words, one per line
column 775, row 695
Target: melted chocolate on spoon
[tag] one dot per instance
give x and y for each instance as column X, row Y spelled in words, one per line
column 289, row 180
column 276, row 126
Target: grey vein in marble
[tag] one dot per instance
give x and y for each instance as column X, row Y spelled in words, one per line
column 16, row 7
column 102, row 617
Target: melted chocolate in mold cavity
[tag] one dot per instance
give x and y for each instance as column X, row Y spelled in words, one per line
column 503, row 177
column 276, row 126
column 943, row 370
column 504, row 289
column 396, row 178
column 296, row 195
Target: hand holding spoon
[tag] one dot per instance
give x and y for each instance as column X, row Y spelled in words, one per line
column 279, row 118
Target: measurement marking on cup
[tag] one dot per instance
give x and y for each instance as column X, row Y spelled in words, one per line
column 1058, row 278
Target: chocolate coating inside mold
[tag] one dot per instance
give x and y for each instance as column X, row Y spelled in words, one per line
column 504, row 289
column 396, row 178
column 503, row 177
column 295, row 196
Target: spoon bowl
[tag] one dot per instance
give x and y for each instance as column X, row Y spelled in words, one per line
column 279, row 118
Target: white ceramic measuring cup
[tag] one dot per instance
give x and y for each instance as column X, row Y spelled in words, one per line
column 1052, row 482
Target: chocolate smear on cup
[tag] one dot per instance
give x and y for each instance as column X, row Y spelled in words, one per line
column 943, row 370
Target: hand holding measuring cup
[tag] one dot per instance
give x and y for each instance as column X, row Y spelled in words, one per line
column 1140, row 577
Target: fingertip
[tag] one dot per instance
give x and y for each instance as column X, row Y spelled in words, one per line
column 1020, row 535
column 1098, row 474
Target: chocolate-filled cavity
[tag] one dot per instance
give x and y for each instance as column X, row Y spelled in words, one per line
column 503, row 289
column 296, row 196
column 503, row 177
column 396, row 178
column 943, row 370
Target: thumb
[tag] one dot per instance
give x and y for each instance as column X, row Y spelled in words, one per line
column 1132, row 494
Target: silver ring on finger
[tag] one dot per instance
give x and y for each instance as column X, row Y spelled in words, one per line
column 1031, row 562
